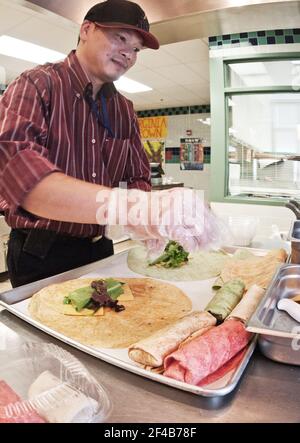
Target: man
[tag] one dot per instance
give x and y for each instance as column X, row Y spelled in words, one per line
column 66, row 134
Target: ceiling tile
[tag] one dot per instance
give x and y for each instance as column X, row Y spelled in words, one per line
column 11, row 17
column 188, row 51
column 155, row 59
column 201, row 69
column 180, row 74
column 150, row 78
column 40, row 32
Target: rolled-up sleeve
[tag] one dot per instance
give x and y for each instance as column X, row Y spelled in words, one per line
column 23, row 135
column 137, row 173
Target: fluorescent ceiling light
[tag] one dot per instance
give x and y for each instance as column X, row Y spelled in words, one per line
column 127, row 85
column 30, row 52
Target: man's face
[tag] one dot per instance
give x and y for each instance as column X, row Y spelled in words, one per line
column 110, row 52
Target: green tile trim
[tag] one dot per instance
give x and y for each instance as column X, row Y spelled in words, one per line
column 258, row 38
column 197, row 109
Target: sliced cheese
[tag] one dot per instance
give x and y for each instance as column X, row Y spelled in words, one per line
column 127, row 295
column 70, row 310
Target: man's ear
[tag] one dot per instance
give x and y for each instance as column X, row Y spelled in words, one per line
column 85, row 29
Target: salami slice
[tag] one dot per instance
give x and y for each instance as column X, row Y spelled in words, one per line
column 8, row 397
column 224, row 370
column 207, row 353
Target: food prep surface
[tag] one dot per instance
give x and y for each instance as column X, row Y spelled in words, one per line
column 268, row 391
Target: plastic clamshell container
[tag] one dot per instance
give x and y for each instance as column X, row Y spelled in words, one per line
column 279, row 337
column 72, row 395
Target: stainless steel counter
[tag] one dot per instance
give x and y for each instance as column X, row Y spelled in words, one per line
column 268, row 391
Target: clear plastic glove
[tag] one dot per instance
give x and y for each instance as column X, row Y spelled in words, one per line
column 154, row 218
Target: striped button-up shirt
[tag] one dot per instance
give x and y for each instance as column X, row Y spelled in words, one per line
column 47, row 125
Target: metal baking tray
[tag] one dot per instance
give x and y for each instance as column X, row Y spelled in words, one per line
column 279, row 337
column 16, row 301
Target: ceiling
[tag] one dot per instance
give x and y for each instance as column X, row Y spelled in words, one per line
column 178, row 72
column 178, row 20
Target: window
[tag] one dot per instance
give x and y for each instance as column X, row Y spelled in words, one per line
column 259, row 103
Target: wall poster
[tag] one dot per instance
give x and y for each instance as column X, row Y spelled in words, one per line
column 155, row 150
column 153, row 127
column 191, row 154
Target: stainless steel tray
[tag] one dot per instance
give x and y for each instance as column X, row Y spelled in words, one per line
column 279, row 333
column 294, row 238
column 16, row 301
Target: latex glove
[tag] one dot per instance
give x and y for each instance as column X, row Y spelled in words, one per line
column 154, row 218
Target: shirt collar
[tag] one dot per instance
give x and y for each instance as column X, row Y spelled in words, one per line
column 80, row 80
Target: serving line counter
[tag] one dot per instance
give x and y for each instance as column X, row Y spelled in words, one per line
column 267, row 392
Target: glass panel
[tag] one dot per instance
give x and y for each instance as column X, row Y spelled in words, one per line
column 275, row 73
column 264, row 144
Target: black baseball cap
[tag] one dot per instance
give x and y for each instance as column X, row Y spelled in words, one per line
column 123, row 14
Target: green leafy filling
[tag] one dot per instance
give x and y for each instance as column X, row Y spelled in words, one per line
column 84, row 297
column 173, row 256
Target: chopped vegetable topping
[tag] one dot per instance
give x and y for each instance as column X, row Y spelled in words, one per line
column 99, row 293
column 173, row 256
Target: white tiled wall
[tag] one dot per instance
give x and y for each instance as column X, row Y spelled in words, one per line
column 179, row 124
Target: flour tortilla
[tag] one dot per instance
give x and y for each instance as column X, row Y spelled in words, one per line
column 152, row 350
column 201, row 266
column 256, row 270
column 155, row 305
column 246, row 307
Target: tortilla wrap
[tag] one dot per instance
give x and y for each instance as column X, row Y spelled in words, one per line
column 256, row 270
column 225, row 299
column 155, row 305
column 152, row 350
column 206, row 354
column 245, row 308
column 200, row 265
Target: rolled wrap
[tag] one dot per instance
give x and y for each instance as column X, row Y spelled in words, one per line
column 152, row 350
column 206, row 354
column 245, row 308
column 226, row 299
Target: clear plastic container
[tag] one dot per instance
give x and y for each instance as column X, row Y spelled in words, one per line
column 243, row 229
column 41, row 382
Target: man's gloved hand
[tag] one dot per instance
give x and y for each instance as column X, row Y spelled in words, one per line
column 154, row 218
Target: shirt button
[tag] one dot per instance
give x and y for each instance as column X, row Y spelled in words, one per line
column 94, row 175
column 93, row 141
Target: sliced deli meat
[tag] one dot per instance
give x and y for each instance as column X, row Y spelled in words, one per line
column 207, row 353
column 11, row 410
